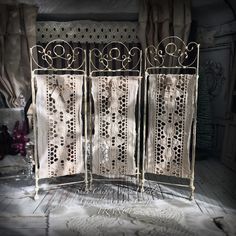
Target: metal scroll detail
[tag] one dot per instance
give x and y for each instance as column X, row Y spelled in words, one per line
column 58, row 103
column 58, row 54
column 171, row 99
column 172, row 51
column 115, row 59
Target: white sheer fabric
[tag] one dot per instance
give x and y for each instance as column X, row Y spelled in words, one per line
column 59, row 124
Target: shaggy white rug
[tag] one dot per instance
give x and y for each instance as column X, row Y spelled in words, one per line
column 160, row 217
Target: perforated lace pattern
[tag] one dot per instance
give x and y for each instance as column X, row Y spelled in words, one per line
column 171, row 107
column 58, row 107
column 87, row 31
column 114, row 139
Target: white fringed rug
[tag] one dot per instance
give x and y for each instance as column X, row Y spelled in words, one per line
column 162, row 218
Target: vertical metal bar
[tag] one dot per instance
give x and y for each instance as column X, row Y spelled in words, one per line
column 194, row 129
column 85, row 128
column 139, row 118
column 34, row 128
column 90, row 129
column 144, row 130
column 90, row 68
column 138, row 131
column 90, row 117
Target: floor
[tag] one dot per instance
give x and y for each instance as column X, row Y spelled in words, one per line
column 215, row 197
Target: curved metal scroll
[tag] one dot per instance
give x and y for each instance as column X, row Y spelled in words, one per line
column 172, row 52
column 115, row 56
column 58, row 55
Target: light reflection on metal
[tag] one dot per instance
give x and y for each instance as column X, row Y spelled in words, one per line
column 55, row 51
column 125, row 59
column 171, row 50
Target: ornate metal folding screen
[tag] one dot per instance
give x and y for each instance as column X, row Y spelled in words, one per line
column 172, row 76
column 115, row 94
column 58, row 75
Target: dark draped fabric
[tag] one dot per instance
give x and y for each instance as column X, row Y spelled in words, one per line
column 17, row 35
column 162, row 18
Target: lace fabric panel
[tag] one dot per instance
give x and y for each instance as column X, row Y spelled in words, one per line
column 171, row 108
column 115, row 133
column 59, row 124
column 87, row 31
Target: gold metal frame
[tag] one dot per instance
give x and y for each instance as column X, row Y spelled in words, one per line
column 43, row 60
column 100, row 61
column 172, row 54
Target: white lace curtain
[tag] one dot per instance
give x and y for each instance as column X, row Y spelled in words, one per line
column 115, row 134
column 58, row 107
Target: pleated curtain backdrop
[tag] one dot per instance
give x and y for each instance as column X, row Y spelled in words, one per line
column 17, row 35
column 159, row 19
